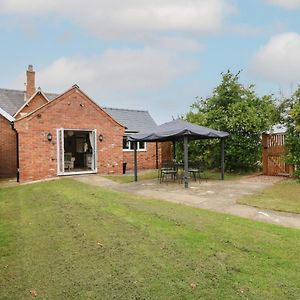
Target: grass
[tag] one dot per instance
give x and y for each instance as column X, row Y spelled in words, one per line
column 68, row 240
column 284, row 196
column 153, row 174
column 129, row 178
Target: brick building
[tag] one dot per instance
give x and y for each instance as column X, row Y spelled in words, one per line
column 46, row 135
column 8, row 146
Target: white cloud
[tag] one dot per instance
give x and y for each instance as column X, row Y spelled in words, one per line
column 245, row 29
column 26, row 7
column 288, row 4
column 115, row 71
column 175, row 44
column 279, row 59
column 136, row 18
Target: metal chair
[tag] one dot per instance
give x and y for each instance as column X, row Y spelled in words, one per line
column 196, row 168
column 168, row 168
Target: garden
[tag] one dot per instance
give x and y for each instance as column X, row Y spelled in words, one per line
column 67, row 240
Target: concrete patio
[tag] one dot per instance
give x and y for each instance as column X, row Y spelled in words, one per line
column 216, row 195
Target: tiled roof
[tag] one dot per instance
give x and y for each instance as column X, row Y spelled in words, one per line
column 133, row 120
column 12, row 100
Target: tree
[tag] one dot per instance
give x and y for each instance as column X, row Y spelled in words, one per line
column 237, row 109
column 293, row 131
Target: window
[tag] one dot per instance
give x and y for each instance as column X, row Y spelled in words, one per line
column 125, row 143
column 129, row 146
column 141, row 145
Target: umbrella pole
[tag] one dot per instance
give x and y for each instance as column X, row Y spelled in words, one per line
column 222, row 159
column 186, row 162
column 135, row 161
column 156, row 154
column 174, row 150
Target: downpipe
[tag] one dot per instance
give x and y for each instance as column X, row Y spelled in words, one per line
column 17, row 142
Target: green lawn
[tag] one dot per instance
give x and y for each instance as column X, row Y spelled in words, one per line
column 284, row 196
column 68, row 240
column 153, row 174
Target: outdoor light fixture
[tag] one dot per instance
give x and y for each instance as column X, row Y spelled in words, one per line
column 100, row 137
column 49, row 136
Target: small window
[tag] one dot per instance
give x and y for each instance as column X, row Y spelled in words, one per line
column 142, row 146
column 128, row 145
column 125, row 143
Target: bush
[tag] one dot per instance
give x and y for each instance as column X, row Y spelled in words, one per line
column 234, row 108
column 293, row 132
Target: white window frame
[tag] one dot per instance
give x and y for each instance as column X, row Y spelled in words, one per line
column 60, row 160
column 138, row 147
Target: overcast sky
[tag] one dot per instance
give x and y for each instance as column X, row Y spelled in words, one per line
column 156, row 55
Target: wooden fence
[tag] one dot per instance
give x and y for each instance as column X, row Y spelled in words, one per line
column 274, row 155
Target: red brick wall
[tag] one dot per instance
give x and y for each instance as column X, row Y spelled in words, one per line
column 147, row 159
column 35, row 103
column 166, row 151
column 73, row 109
column 8, row 149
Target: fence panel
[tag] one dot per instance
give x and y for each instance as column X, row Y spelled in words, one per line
column 274, row 155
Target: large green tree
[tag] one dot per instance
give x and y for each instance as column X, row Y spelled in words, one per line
column 237, row 109
column 293, row 131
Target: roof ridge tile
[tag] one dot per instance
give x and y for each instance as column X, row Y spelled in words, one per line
column 124, row 109
column 11, row 90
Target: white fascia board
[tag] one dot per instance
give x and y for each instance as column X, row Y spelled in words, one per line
column 6, row 115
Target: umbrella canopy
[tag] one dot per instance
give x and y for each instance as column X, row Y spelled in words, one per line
column 175, row 129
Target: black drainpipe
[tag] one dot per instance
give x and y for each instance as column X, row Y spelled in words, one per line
column 17, row 142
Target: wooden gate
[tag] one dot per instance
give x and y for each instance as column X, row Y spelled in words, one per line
column 274, row 155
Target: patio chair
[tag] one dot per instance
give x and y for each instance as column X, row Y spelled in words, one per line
column 168, row 168
column 196, row 168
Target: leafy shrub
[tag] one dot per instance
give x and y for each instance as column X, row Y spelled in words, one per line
column 237, row 109
column 293, row 132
